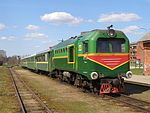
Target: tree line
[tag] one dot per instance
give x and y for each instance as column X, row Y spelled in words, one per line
column 13, row 60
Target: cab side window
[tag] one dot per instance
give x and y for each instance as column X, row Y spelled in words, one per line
column 86, row 48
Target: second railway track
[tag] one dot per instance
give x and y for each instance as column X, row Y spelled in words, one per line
column 29, row 101
column 143, row 105
column 136, row 104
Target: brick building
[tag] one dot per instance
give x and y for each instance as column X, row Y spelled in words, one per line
column 133, row 52
column 143, row 53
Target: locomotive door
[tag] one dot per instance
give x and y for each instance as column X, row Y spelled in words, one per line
column 50, row 61
column 85, row 60
column 71, row 57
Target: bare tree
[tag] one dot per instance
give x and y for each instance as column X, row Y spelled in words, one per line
column 14, row 60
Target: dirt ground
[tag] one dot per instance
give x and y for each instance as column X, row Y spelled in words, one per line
column 69, row 99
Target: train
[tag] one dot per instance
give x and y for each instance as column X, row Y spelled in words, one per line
column 96, row 60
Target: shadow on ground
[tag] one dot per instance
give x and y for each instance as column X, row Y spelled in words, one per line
column 135, row 89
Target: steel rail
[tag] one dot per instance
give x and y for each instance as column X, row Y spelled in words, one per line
column 136, row 103
column 37, row 98
column 30, row 90
column 17, row 92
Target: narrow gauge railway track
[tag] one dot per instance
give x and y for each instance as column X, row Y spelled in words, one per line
column 141, row 105
column 29, row 101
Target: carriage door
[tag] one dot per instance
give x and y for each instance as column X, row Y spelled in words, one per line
column 71, row 57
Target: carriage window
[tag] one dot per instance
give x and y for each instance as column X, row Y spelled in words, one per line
column 46, row 57
column 110, row 45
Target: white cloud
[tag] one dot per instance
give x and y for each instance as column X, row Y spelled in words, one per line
column 27, row 39
column 116, row 17
column 32, row 27
column 58, row 18
column 132, row 29
column 2, row 26
column 46, row 42
column 10, row 38
column 36, row 35
column 139, row 33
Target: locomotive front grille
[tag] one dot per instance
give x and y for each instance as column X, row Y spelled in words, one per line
column 111, row 62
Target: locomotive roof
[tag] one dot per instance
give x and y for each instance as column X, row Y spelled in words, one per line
column 101, row 30
column 84, row 36
column 66, row 42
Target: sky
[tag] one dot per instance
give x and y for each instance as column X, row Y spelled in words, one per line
column 31, row 26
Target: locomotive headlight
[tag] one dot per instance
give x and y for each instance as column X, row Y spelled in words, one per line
column 94, row 75
column 128, row 74
column 111, row 33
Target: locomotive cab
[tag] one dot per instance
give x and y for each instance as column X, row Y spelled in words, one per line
column 106, row 57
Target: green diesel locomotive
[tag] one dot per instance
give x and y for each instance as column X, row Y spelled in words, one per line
column 96, row 60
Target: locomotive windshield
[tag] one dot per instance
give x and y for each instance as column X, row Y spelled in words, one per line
column 111, row 45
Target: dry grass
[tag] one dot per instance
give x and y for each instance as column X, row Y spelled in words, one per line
column 8, row 101
column 68, row 99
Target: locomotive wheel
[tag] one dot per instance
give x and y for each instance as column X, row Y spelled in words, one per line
column 95, row 90
column 78, row 81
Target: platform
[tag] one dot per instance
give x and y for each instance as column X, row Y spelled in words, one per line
column 139, row 79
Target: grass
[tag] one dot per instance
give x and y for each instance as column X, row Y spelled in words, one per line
column 137, row 71
column 8, row 102
column 68, row 99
